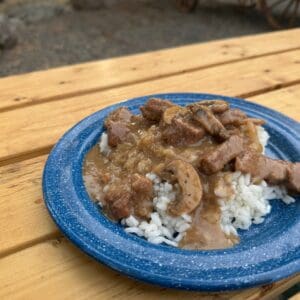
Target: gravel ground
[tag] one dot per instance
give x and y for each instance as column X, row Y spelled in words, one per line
column 51, row 33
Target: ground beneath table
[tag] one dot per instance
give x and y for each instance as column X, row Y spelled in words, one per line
column 52, row 34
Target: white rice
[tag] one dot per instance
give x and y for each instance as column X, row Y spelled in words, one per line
column 249, row 205
column 103, row 144
column 161, row 228
column 250, row 202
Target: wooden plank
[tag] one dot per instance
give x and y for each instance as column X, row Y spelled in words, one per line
column 57, row 270
column 285, row 100
column 37, row 127
column 90, row 77
column 26, row 220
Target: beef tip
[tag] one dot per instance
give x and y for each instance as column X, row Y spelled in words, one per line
column 154, row 109
column 262, row 167
column 117, row 133
column 232, row 117
column 117, row 126
column 178, row 128
column 204, row 116
column 117, row 202
column 182, row 132
column 216, row 159
column 293, row 177
column 142, row 194
column 248, row 163
column 216, row 106
column 121, row 114
column 236, row 117
column 274, row 171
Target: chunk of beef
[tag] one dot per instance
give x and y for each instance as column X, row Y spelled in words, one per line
column 117, row 133
column 262, row 167
column 204, row 116
column 117, row 126
column 236, row 117
column 273, row 171
column 142, row 194
column 216, row 159
column 293, row 177
column 117, row 202
column 216, row 106
column 182, row 132
column 121, row 114
column 154, row 109
column 232, row 117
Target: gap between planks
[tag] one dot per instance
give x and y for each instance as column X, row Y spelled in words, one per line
column 99, row 89
column 26, row 155
column 56, row 235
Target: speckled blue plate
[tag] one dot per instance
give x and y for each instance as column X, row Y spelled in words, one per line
column 266, row 253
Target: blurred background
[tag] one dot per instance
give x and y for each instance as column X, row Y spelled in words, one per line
column 36, row 35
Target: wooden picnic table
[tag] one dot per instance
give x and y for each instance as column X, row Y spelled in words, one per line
column 36, row 261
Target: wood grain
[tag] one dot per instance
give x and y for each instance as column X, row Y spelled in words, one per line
column 17, row 91
column 26, row 220
column 37, row 127
column 57, row 270
column 285, row 100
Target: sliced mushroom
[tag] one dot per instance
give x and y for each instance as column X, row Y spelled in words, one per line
column 190, row 185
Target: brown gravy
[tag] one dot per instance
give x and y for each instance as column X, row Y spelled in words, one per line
column 205, row 232
column 145, row 152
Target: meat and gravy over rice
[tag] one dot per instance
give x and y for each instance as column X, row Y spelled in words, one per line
column 186, row 176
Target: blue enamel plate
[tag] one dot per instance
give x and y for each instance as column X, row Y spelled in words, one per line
column 266, row 253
